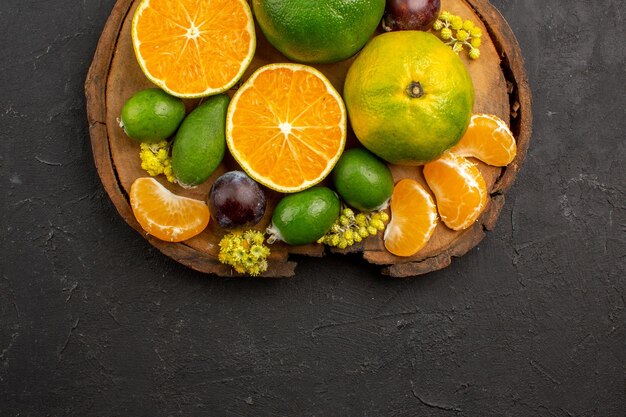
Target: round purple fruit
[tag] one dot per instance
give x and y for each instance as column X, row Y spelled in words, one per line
column 236, row 201
column 410, row 14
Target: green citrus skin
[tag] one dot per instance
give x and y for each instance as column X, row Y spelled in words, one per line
column 363, row 180
column 304, row 217
column 409, row 97
column 200, row 143
column 318, row 31
column 152, row 115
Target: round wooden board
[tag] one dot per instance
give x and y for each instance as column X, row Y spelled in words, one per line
column 501, row 88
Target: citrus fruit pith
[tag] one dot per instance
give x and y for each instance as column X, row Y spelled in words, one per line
column 286, row 127
column 193, row 48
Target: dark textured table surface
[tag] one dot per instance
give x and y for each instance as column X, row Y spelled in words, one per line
column 96, row 322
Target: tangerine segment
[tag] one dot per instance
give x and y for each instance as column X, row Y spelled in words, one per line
column 413, row 219
column 459, row 189
column 286, row 127
column 193, row 48
column 489, row 139
column 164, row 214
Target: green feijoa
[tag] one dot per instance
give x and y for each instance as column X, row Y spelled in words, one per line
column 152, row 115
column 304, row 217
column 362, row 180
column 200, row 142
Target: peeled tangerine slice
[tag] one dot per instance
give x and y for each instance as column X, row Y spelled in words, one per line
column 489, row 139
column 413, row 219
column 459, row 189
column 164, row 214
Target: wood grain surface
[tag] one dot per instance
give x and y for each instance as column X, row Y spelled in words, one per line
column 501, row 88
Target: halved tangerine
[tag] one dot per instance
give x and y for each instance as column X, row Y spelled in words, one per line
column 286, row 127
column 489, row 139
column 193, row 48
column 459, row 189
column 413, row 219
column 164, row 214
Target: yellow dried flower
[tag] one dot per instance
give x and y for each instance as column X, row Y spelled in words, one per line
column 245, row 252
column 155, row 159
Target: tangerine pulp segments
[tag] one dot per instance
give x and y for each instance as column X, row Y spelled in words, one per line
column 489, row 139
column 165, row 215
column 193, row 48
column 286, row 127
column 459, row 189
column 413, row 219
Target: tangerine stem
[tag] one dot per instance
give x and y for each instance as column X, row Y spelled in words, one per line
column 415, row 89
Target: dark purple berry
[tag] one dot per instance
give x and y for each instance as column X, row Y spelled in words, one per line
column 236, row 201
column 410, row 14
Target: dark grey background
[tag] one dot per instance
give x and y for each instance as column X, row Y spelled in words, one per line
column 95, row 322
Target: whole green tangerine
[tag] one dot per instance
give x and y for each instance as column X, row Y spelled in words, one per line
column 409, row 97
column 318, row 31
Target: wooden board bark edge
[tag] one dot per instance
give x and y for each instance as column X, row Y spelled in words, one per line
column 512, row 65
